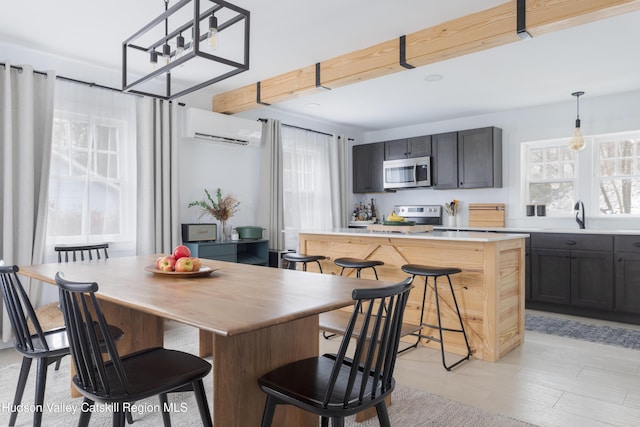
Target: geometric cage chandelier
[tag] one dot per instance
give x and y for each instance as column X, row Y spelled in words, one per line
column 193, row 44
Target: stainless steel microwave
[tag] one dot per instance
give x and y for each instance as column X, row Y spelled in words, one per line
column 407, row 173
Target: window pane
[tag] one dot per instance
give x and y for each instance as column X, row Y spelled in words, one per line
column 79, row 136
column 558, row 196
column 65, row 207
column 79, row 163
column 619, row 176
column 552, row 171
column 620, row 196
column 536, row 155
column 536, row 171
column 607, row 150
column 104, row 206
column 60, row 133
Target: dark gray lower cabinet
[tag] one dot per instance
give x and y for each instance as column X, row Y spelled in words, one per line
column 551, row 276
column 627, row 265
column 592, row 279
column 627, row 282
column 573, row 270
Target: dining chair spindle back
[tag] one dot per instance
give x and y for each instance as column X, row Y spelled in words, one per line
column 335, row 386
column 118, row 380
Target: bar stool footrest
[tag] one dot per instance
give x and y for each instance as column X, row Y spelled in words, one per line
column 336, row 321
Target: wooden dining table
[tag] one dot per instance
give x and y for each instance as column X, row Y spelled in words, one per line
column 252, row 319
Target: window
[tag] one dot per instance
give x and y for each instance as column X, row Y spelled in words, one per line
column 306, row 182
column 550, row 176
column 91, row 181
column 618, row 174
column 609, row 188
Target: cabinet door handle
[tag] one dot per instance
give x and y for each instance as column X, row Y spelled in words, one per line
column 571, row 242
column 619, row 259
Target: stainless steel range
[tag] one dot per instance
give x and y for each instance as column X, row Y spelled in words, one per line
column 421, row 214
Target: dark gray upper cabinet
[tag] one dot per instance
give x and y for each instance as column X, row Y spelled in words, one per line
column 444, row 167
column 480, row 158
column 418, row 146
column 467, row 159
column 367, row 168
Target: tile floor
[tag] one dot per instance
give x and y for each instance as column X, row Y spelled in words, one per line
column 548, row 381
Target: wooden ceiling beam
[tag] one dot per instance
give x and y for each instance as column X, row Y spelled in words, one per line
column 471, row 33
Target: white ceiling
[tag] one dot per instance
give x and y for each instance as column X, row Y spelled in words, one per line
column 599, row 58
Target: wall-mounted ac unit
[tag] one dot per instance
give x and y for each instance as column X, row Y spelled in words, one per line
column 215, row 127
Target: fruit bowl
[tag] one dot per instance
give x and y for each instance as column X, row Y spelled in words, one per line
column 204, row 271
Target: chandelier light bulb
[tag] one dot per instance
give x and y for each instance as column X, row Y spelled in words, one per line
column 212, row 35
column 179, row 46
column 153, row 59
column 166, row 54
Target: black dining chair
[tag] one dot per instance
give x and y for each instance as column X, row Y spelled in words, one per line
column 334, row 386
column 32, row 341
column 97, row 251
column 118, row 380
column 49, row 314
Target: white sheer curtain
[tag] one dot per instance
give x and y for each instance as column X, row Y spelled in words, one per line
column 26, row 115
column 270, row 197
column 307, row 183
column 158, row 218
column 92, row 194
column 338, row 156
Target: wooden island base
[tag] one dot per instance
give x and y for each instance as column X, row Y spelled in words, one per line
column 490, row 289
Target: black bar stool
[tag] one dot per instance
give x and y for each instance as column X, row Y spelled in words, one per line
column 294, row 258
column 435, row 272
column 358, row 264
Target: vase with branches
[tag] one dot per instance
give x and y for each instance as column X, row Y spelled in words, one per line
column 221, row 208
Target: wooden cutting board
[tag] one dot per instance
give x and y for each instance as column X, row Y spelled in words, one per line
column 486, row 214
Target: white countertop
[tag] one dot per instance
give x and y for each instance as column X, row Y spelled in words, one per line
column 540, row 230
column 469, row 236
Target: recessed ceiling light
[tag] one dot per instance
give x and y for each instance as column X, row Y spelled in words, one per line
column 313, row 105
column 434, row 78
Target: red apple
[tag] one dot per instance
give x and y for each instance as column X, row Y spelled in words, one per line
column 166, row 263
column 196, row 263
column 158, row 261
column 184, row 264
column 181, row 251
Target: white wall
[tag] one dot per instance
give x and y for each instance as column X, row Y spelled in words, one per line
column 233, row 169
column 615, row 113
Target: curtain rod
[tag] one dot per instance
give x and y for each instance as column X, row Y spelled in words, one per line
column 307, row 129
column 69, row 79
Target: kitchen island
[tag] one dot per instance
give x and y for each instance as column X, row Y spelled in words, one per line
column 490, row 289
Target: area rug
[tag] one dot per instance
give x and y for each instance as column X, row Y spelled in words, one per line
column 410, row 407
column 585, row 331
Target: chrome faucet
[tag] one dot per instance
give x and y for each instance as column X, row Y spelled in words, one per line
column 579, row 208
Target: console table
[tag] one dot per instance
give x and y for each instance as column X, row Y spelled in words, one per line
column 255, row 252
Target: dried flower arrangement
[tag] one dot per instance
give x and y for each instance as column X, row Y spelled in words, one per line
column 222, row 208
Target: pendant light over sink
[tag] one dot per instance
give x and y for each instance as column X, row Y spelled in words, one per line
column 577, row 140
